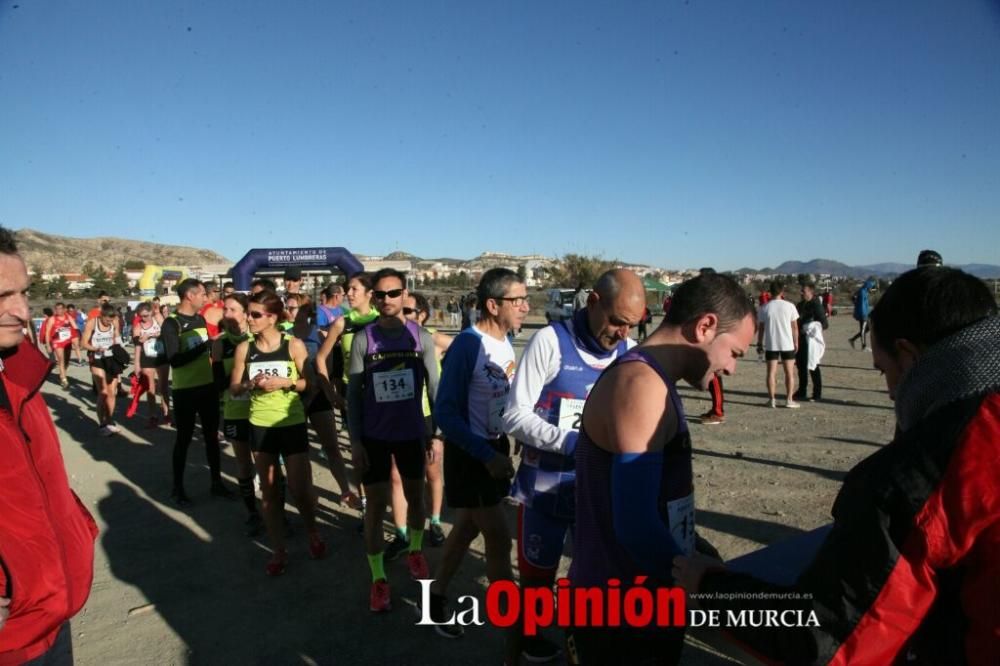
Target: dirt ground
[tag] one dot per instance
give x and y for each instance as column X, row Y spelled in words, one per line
column 187, row 587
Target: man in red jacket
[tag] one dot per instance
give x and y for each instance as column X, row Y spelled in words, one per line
column 46, row 535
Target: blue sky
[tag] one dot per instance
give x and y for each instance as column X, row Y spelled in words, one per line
column 680, row 134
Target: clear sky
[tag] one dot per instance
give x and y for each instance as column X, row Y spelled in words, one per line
column 680, row 134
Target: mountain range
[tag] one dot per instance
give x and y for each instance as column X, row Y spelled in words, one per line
column 839, row 269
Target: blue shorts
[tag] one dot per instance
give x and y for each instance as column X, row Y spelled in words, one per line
column 540, row 539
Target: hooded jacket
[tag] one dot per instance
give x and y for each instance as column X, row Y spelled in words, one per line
column 46, row 534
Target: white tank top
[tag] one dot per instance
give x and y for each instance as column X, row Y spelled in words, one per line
column 103, row 339
column 152, row 347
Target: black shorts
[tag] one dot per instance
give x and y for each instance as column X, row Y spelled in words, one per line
column 624, row 645
column 409, row 455
column 151, row 363
column 284, row 441
column 236, row 429
column 467, row 482
column 783, row 355
column 110, row 367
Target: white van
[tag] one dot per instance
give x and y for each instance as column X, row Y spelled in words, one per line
column 559, row 305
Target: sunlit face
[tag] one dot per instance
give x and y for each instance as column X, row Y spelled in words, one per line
column 197, row 297
column 513, row 307
column 388, row 296
column 14, row 311
column 233, row 315
column 59, row 310
column 610, row 322
column 357, row 295
column 722, row 350
column 411, row 311
column 145, row 314
column 292, row 309
column 260, row 319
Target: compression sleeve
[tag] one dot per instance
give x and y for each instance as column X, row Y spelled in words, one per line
column 635, row 490
column 356, row 385
column 451, row 405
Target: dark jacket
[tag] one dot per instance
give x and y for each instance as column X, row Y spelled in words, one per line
column 46, row 534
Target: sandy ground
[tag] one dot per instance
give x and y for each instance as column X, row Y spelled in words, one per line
column 187, row 587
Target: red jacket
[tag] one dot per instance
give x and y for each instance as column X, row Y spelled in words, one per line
column 46, row 534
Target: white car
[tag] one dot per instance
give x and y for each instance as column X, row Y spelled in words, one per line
column 559, row 305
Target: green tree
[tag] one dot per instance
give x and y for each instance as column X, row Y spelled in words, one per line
column 39, row 288
column 135, row 265
column 58, row 288
column 119, row 283
column 575, row 269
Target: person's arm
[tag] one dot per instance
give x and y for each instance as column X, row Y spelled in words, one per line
column 538, row 366
column 451, row 404
column 795, row 333
column 218, row 366
column 237, row 384
column 821, row 314
column 88, row 332
column 356, row 387
column 442, row 341
column 327, row 348
column 171, row 335
column 430, row 359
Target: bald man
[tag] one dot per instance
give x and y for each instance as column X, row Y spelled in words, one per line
column 559, row 366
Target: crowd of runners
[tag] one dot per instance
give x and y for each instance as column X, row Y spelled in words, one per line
column 586, row 432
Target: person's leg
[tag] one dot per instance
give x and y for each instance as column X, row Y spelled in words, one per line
column 492, row 523
column 151, row 380
column 163, row 388
column 325, row 425
column 817, row 379
column 397, row 499
column 184, row 419
column 463, row 533
column 538, row 566
column 100, row 384
column 789, row 367
column 801, row 365
column 772, row 371
column 298, row 470
column 435, row 488
column 62, row 360
column 715, row 390
column 111, row 397
column 864, row 334
column 269, row 474
column 208, row 413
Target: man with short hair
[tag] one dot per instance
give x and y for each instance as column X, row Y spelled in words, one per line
column 293, row 282
column 330, row 310
column 560, row 365
column 634, row 477
column 812, row 322
column 187, row 346
column 46, row 534
column 228, row 288
column 469, row 409
column 57, row 336
column 778, row 339
column 910, row 571
column 390, row 364
column 95, row 311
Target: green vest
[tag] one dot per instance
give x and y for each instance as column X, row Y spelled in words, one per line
column 199, row 371
column 353, row 322
column 234, row 408
column 277, row 408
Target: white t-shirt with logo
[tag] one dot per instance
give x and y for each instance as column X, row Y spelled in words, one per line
column 778, row 317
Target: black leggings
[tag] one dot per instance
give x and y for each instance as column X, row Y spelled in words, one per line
column 802, row 364
column 202, row 401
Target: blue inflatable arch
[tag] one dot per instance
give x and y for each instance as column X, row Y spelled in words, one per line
column 316, row 258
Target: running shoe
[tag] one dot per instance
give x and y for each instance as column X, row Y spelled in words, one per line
column 219, row 489
column 113, row 428
column 539, row 650
column 351, row 500
column 439, row 604
column 396, row 547
column 711, row 418
column 278, row 562
column 771, row 403
column 180, row 497
column 435, row 536
column 64, row 383
column 380, row 600
column 105, row 431
column 317, row 547
column 417, row 564
column 851, row 340
column 791, row 404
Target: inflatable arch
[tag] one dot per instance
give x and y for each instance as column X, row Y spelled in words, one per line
column 316, row 258
column 152, row 276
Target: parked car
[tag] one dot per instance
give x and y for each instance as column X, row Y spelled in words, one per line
column 559, row 305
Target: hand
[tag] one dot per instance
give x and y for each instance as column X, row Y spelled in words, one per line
column 270, row 384
column 687, row 571
column 4, row 611
column 500, row 467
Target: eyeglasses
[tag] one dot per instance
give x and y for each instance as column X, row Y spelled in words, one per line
column 392, row 293
column 516, row 301
column 292, row 307
column 411, row 311
column 257, row 314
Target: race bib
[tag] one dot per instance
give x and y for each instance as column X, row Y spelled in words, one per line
column 394, row 386
column 494, row 422
column 270, row 369
column 680, row 513
column 570, row 413
column 152, row 347
column 63, row 334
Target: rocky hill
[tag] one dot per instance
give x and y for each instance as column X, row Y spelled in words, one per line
column 48, row 253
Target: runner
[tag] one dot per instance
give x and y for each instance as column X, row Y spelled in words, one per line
column 95, row 311
column 151, row 362
column 211, row 311
column 236, row 408
column 778, row 339
column 861, row 309
column 58, row 335
column 559, row 366
column 77, row 317
column 269, row 367
column 185, row 340
column 469, row 410
column 99, row 336
column 331, row 309
column 390, row 364
column 634, row 480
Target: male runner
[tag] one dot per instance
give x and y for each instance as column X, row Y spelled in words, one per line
column 634, row 480
column 559, row 367
column 187, row 346
column 58, row 335
column 778, row 340
column 391, row 361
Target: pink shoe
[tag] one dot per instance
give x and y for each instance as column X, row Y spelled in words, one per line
column 276, row 565
column 380, row 600
column 417, row 564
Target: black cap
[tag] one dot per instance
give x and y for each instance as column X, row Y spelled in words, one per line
column 293, row 273
column 929, row 258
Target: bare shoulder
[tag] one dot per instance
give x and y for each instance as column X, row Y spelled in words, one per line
column 625, row 409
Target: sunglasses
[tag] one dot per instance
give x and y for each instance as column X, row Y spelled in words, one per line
column 410, row 311
column 257, row 314
column 392, row 293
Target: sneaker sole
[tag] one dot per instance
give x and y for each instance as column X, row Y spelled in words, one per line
column 439, row 629
column 531, row 659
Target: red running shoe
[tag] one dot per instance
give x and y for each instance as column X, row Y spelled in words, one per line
column 417, row 564
column 380, row 600
column 317, row 547
column 276, row 565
